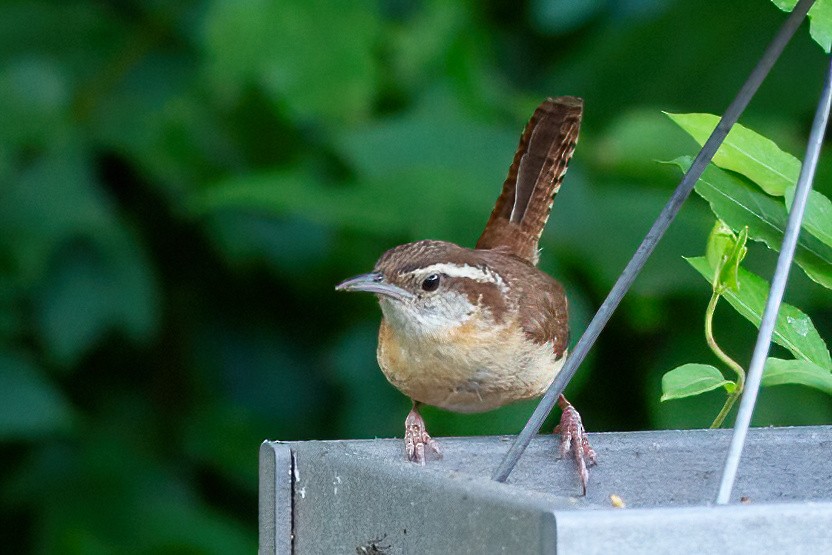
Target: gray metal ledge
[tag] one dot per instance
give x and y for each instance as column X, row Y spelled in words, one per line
column 362, row 497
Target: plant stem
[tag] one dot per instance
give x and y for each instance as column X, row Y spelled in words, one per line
column 731, row 363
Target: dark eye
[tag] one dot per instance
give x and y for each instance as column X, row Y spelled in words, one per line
column 431, row 282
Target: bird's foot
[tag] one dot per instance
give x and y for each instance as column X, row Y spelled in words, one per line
column 416, row 438
column 573, row 438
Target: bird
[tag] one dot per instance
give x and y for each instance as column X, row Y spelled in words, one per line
column 471, row 330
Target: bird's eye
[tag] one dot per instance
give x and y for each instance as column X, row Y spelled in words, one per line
column 431, row 283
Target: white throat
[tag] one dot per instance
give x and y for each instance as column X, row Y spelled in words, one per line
column 431, row 316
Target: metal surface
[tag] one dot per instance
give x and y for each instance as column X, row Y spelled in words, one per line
column 631, row 271
column 357, row 496
column 778, row 287
column 786, row 528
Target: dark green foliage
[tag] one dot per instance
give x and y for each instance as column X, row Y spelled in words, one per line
column 183, row 183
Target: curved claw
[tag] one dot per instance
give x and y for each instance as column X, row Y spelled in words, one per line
column 416, row 438
column 573, row 438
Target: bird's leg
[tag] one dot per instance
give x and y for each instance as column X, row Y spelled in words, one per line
column 573, row 438
column 416, row 437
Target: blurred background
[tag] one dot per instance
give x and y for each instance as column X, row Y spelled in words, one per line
column 183, row 183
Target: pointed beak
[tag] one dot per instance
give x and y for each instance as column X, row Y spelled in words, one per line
column 374, row 283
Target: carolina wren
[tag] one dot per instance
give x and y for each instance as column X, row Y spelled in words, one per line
column 470, row 330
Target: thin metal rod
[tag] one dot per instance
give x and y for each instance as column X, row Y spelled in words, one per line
column 625, row 280
column 775, row 296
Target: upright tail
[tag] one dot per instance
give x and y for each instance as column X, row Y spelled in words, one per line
column 534, row 178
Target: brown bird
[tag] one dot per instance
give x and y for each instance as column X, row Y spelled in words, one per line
column 470, row 330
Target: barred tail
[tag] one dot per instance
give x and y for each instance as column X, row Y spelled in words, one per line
column 534, row 178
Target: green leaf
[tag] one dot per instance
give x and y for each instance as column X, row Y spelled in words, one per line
column 93, row 288
column 634, row 140
column 35, row 97
column 407, row 154
column 51, row 202
column 438, row 131
column 32, row 406
column 746, row 152
column 793, row 329
column 558, row 17
column 817, row 219
column 820, row 20
column 314, row 59
column 599, row 226
column 779, row 372
column 283, row 193
column 692, row 379
column 737, row 203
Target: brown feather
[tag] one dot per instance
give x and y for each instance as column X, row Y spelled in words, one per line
column 535, row 175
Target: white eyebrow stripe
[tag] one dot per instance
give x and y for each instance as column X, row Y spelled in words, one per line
column 477, row 273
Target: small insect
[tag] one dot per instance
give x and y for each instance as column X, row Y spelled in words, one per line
column 373, row 547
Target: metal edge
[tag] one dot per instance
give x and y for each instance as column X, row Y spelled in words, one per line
column 275, row 513
column 764, row 528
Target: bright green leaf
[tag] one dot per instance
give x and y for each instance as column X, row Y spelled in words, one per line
column 779, row 372
column 793, row 329
column 817, row 219
column 745, row 151
column 737, row 203
column 820, row 20
column 691, row 379
column 820, row 25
